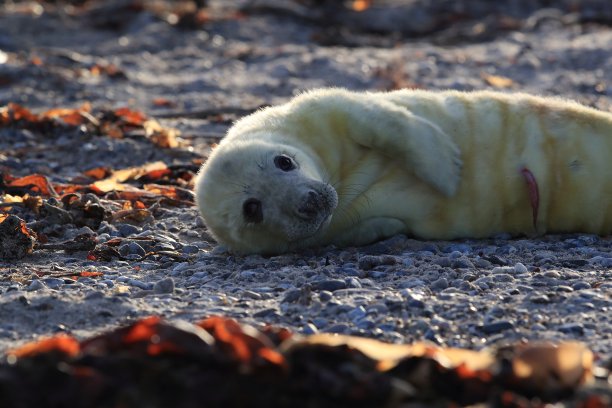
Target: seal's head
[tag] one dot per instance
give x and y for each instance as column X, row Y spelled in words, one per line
column 257, row 196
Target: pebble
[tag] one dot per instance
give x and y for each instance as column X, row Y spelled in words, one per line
column 127, row 229
column 339, row 328
column 190, row 249
column 36, row 285
column 444, row 262
column 365, row 324
column 540, row 299
column 320, row 322
column 325, row 296
column 368, row 262
column 462, row 262
column 440, row 284
column 520, row 268
column 140, row 284
column 132, row 248
column 329, row 285
column 581, row 285
column 497, row 327
column 462, row 248
column 357, row 313
column 53, row 283
column 574, row 328
column 292, row 296
column 309, row 329
column 165, row 285
column 482, row 263
column 353, row 282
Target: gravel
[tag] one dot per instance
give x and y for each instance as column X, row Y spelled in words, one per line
column 469, row 293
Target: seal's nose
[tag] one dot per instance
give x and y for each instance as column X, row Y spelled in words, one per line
column 310, row 205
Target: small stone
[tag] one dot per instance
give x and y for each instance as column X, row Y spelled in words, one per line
column 552, row 274
column 265, row 313
column 351, row 272
column 463, row 248
column 165, row 285
column 520, row 268
column 139, row 284
column 352, row 282
column 53, row 283
column 540, row 299
column 581, row 285
column 36, row 285
column 573, row 328
column 320, row 322
column 330, row 285
column 292, row 296
column 251, row 295
column 190, row 249
column 339, row 328
column 109, row 283
column 504, row 277
column 357, row 313
column 309, row 329
column 411, row 283
column 96, row 294
column 368, row 262
column 128, row 229
column 440, row 284
column 503, row 269
column 132, row 248
column 444, row 262
column 325, row 296
column 416, row 303
column 462, row 262
column 496, row 327
column 365, row 324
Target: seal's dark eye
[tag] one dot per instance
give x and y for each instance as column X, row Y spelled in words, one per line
column 284, row 163
column 251, row 209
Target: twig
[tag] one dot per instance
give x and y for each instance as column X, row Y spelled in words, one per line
column 206, row 113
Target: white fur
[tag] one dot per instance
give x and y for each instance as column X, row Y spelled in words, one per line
column 395, row 161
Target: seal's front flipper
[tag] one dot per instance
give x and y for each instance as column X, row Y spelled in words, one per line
column 378, row 124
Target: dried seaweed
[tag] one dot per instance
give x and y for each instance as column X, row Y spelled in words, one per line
column 219, row 362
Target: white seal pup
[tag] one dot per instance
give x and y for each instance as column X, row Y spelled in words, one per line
column 339, row 167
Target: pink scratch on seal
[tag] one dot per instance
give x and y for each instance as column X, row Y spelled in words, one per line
column 534, row 194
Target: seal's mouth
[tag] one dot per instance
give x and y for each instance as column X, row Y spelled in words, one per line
column 312, row 205
column 312, row 213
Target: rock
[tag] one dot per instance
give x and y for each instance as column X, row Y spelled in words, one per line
column 352, row 282
column 325, row 296
column 573, row 328
column 132, row 248
column 165, row 285
column 36, row 285
column 440, row 284
column 520, row 268
column 53, row 283
column 368, row 262
column 190, row 249
column 309, row 329
column 127, row 229
column 581, row 285
column 497, row 327
column 357, row 313
column 329, row 285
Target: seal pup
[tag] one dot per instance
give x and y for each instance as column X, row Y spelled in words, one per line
column 348, row 168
